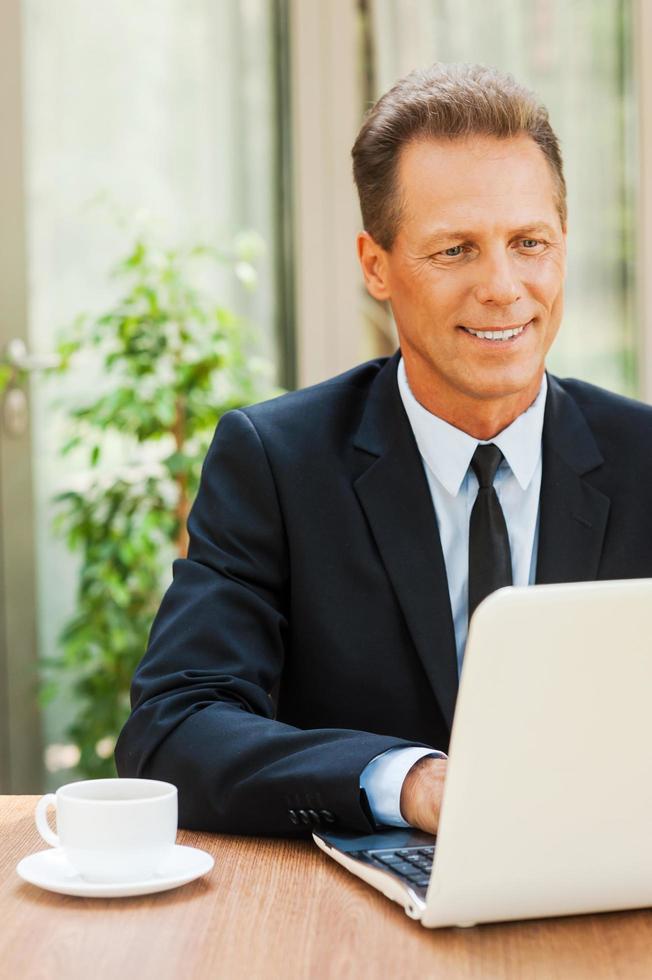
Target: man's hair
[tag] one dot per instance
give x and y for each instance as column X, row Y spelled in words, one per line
column 442, row 102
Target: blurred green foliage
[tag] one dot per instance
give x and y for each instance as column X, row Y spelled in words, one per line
column 173, row 362
column 5, row 375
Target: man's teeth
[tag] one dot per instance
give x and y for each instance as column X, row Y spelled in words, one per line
column 496, row 334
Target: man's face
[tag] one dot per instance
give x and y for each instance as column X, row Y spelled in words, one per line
column 480, row 249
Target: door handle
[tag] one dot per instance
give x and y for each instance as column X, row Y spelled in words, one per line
column 15, row 407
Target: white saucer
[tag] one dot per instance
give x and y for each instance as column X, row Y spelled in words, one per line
column 50, row 870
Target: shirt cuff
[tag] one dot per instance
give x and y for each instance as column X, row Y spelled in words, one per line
column 382, row 780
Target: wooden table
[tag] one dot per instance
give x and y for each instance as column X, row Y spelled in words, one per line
column 281, row 909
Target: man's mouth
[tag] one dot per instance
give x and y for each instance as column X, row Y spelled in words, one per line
column 507, row 333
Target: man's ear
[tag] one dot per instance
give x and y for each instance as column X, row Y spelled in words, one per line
column 373, row 262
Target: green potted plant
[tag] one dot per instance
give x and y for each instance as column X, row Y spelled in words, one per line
column 174, row 362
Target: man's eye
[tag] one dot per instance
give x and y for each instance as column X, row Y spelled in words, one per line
column 453, row 251
column 530, row 242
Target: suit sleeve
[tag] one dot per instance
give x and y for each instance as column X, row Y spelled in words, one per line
column 202, row 711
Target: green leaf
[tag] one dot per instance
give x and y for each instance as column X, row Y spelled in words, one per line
column 71, row 444
column 178, row 463
column 6, row 372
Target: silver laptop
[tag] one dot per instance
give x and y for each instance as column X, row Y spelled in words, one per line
column 548, row 800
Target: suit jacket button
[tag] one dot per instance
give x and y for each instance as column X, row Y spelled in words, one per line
column 303, row 816
column 314, row 817
column 293, row 816
column 327, row 816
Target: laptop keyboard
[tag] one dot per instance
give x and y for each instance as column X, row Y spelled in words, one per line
column 412, row 864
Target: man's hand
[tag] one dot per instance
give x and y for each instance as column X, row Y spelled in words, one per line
column 422, row 793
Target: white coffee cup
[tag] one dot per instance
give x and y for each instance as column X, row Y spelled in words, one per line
column 112, row 829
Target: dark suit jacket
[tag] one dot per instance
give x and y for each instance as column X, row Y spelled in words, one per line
column 310, row 628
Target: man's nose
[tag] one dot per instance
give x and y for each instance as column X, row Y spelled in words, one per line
column 497, row 282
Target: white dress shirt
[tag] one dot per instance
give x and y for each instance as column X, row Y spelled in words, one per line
column 446, row 455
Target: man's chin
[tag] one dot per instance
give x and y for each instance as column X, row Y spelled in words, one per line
column 507, row 386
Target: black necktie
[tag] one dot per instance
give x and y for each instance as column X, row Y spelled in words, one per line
column 490, row 562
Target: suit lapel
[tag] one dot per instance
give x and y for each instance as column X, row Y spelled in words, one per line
column 573, row 514
column 394, row 494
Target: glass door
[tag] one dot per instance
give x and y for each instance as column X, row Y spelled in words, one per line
column 128, row 122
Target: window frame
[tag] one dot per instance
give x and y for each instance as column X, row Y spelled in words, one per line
column 643, row 74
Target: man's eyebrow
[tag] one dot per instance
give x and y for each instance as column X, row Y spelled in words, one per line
column 437, row 235
column 443, row 234
column 538, row 227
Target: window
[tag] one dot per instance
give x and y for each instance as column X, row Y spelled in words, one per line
column 577, row 57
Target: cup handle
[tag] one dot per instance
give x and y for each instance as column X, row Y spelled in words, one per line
column 42, row 824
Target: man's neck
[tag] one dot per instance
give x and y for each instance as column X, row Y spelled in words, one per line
column 481, row 418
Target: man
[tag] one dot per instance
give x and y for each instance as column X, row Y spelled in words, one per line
column 303, row 668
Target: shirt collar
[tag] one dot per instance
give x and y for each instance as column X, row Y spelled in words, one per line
column 447, row 451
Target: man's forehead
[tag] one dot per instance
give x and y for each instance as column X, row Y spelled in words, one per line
column 452, row 184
